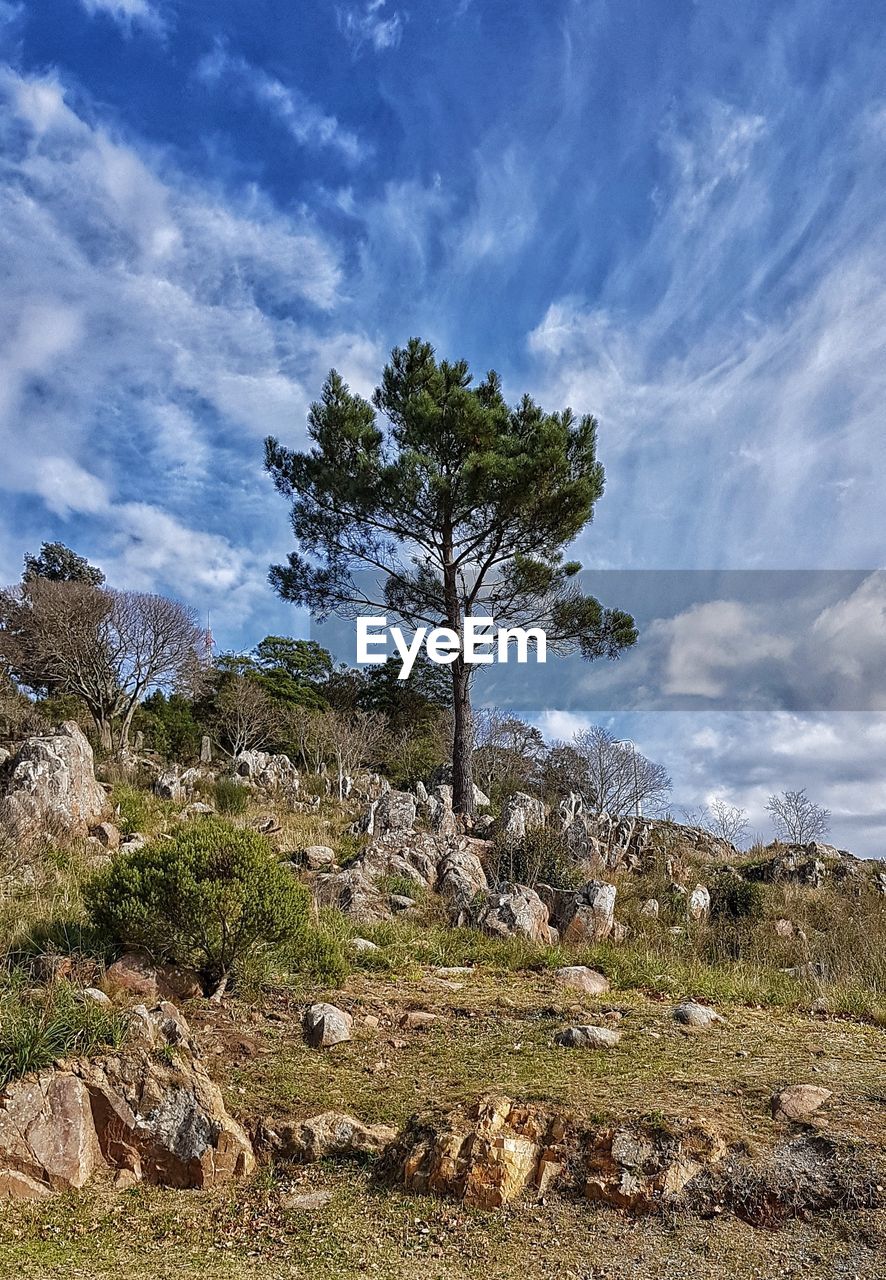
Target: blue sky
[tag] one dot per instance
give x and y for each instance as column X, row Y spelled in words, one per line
column 670, row 215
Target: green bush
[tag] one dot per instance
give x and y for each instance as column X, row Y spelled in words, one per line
column 133, row 808
column 55, row 1023
column 735, row 898
column 540, row 857
column 230, row 796
column 213, row 897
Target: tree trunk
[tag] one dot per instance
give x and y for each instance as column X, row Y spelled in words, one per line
column 105, row 736
column 462, row 741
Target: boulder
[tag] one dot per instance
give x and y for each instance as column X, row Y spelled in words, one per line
column 106, row 834
column 325, row 1025
column 266, row 771
column 699, row 1016
column 329, row 1135
column 521, row 813
column 637, row 1167
column 650, row 909
column 515, row 910
column 588, row 1037
column 588, row 981
column 136, row 974
column 485, row 1158
column 798, row 1102
column 52, row 776
column 589, row 914
column 160, row 1118
column 460, row 874
column 393, row 812
column 416, row 1020
column 353, row 893
column 412, row 855
column 317, row 857
column 698, row 904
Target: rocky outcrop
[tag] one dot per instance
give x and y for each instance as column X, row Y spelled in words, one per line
column 521, row 813
column 460, row 875
column 487, row 1157
column 514, row 910
column 327, row 1136
column 393, row 812
column 136, row 974
column 353, row 893
column 587, row 916
column 52, row 778
column 268, row 772
column 157, row 1116
column 637, row 1166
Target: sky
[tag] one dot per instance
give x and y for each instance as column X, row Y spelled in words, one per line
column 671, row 216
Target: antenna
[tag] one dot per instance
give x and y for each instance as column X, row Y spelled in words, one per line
column 208, row 641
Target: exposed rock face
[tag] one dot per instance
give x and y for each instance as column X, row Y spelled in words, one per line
column 799, row 1101
column 395, row 811
column 698, row 904
column 695, row 1015
column 486, row 1158
column 520, row 814
column 267, row 771
column 604, row 840
column 460, row 874
column 352, row 892
column 328, row 1135
column 159, row 1117
column 635, row 1167
column 516, row 909
column 588, row 916
column 136, row 974
column 411, row 854
column 588, row 1037
column 53, row 777
column 588, row 981
column 326, row 1025
column 177, row 784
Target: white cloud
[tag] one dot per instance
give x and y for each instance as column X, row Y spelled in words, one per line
column 127, row 12
column 708, row 643
column 307, row 123
column 371, row 24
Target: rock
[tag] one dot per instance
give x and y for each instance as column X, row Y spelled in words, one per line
column 132, row 843
column 486, row 1158
column 619, row 931
column 205, row 749
column 329, row 1135
column 269, row 772
column 326, row 1025
column 637, row 1167
column 107, row 835
column 650, row 909
column 317, row 857
column 400, row 902
column 783, row 929
column 516, row 909
column 306, row 1201
column 52, row 777
column 94, row 996
column 196, row 809
column 361, row 946
column 587, row 1037
column 460, row 874
column 394, row 812
column 409, row 854
column 586, row 980
column 798, row 1102
column 521, row 813
column 353, row 893
column 691, row 1014
column 163, row 1121
column 135, row 974
column 698, row 904
column 167, row 784
column 590, row 914
column 417, row 1020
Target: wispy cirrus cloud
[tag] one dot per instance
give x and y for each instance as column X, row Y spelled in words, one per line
column 303, row 119
column 371, row 24
column 129, row 13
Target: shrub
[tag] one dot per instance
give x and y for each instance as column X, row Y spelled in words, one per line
column 230, row 796
column 735, row 898
column 213, row 897
column 34, row 1032
column 133, row 808
column 540, row 856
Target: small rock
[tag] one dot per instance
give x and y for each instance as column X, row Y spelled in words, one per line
column 318, row 857
column 325, row 1025
column 783, row 928
column 416, row 1020
column 371, row 1021
column 691, row 1014
column 362, row 946
column 94, row 996
column 650, row 909
column 583, row 979
column 588, row 1037
column 798, row 1101
column 106, row 834
column 306, row 1201
column 698, row 904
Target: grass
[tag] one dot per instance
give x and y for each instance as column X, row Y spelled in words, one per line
column 39, row 1026
column 230, row 796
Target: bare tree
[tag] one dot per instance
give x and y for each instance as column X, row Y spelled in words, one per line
column 352, row 738
column 611, row 775
column 246, row 716
column 507, row 750
column 725, row 821
column 796, row 819
column 304, row 726
column 109, row 648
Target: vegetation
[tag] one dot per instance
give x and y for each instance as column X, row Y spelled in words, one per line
column 541, row 856
column 797, row 819
column 38, row 1027
column 458, row 501
column 212, row 897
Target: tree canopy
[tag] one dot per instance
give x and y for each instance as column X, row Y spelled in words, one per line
column 456, row 503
